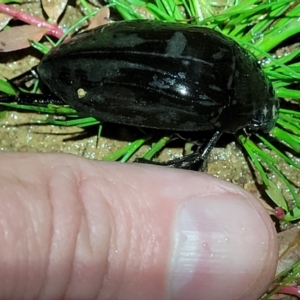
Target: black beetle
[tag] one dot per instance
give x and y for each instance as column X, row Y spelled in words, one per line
column 162, row 75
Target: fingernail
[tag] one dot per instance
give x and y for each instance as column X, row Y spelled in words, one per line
column 212, row 245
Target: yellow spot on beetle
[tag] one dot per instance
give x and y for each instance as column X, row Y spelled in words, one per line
column 81, row 93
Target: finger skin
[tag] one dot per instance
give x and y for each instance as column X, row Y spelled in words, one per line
column 78, row 229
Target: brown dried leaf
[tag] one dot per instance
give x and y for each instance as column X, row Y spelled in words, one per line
column 269, row 209
column 18, row 37
column 4, row 19
column 54, row 8
column 101, row 18
column 289, row 248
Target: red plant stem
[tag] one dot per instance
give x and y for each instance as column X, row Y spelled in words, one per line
column 290, row 290
column 54, row 30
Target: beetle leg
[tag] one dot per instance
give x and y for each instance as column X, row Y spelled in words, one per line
column 32, row 99
column 207, row 147
column 194, row 161
column 28, row 98
column 23, row 78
